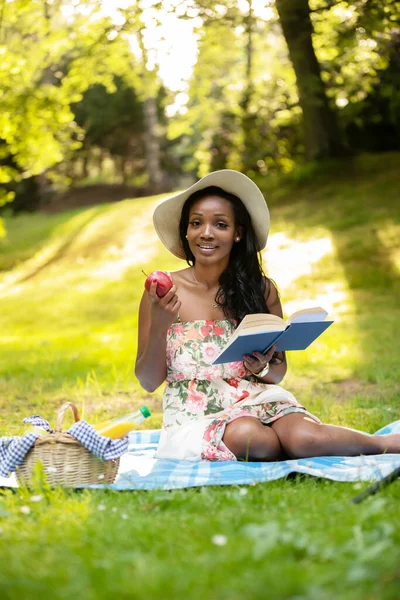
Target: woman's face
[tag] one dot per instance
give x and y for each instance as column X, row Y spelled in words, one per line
column 211, row 230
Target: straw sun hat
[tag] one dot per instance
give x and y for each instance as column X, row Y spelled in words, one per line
column 167, row 214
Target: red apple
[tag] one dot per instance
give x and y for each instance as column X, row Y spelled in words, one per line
column 163, row 281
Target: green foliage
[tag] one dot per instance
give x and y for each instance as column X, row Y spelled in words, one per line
column 114, row 126
column 214, row 89
column 51, row 53
column 74, row 84
column 256, row 125
column 112, row 122
column 227, row 124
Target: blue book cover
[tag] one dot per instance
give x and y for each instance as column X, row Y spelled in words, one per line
column 296, row 336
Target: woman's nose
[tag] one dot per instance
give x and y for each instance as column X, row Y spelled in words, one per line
column 207, row 230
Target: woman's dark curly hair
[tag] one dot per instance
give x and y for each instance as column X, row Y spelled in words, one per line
column 243, row 283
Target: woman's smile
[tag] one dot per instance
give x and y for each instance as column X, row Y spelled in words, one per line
column 207, row 249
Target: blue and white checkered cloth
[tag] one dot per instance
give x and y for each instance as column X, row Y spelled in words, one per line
column 14, row 449
column 139, row 469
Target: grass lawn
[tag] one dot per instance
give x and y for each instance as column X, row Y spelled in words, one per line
column 70, row 285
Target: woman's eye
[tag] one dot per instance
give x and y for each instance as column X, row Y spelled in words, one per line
column 194, row 223
column 222, row 225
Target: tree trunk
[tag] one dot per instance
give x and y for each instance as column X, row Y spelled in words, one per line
column 121, row 163
column 247, row 119
column 150, row 89
column 85, row 162
column 322, row 137
column 249, row 21
column 152, row 145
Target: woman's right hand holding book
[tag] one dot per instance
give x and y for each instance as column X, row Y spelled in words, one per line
column 272, row 371
column 256, row 362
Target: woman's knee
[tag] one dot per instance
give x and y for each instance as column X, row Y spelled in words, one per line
column 301, row 441
column 241, row 433
column 248, row 438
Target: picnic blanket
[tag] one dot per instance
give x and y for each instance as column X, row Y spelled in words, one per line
column 139, row 469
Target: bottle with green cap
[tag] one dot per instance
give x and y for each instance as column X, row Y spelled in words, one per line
column 120, row 427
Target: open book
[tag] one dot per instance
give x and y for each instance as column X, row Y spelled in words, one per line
column 257, row 333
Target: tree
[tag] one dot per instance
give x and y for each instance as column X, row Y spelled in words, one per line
column 357, row 44
column 148, row 86
column 242, row 110
column 212, row 120
column 322, row 136
column 111, row 121
column 51, row 53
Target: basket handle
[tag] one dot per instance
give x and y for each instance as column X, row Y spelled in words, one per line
column 61, row 412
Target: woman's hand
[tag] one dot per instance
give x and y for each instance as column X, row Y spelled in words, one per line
column 257, row 361
column 163, row 310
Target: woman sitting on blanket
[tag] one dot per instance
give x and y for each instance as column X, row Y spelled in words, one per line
column 233, row 410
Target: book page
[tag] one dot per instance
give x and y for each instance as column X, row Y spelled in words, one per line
column 308, row 315
column 261, row 322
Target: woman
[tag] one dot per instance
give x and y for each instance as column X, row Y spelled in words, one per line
column 235, row 410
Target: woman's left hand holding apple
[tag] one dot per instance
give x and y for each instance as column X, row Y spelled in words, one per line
column 164, row 311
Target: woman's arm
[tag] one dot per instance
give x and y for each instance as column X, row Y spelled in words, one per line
column 156, row 315
column 277, row 360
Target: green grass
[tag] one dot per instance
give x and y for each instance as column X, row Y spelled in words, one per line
column 279, row 543
column 70, row 286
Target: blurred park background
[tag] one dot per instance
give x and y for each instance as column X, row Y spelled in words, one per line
column 105, row 99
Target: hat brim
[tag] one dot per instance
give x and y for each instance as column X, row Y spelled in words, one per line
column 167, row 215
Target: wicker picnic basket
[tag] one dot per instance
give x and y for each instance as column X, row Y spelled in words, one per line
column 65, row 461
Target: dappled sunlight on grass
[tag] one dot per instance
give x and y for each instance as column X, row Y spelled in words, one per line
column 54, row 248
column 99, row 243
column 288, row 259
column 139, row 248
column 333, row 297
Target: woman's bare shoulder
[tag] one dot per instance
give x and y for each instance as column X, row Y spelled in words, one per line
column 181, row 276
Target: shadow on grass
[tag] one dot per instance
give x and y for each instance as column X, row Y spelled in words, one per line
column 358, row 203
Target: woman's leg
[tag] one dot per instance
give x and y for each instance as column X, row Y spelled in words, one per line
column 247, row 437
column 302, row 437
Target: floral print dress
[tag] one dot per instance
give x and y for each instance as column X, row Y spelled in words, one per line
column 200, row 398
